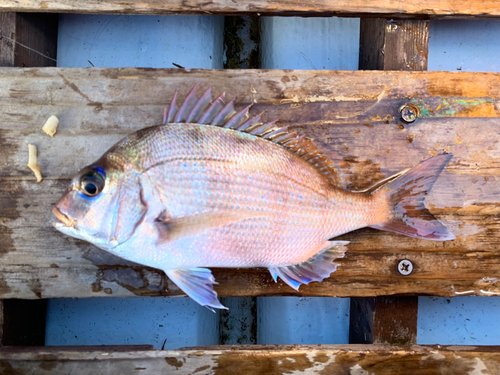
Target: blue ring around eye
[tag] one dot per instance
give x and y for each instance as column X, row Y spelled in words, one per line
column 86, row 196
column 100, row 170
column 102, row 174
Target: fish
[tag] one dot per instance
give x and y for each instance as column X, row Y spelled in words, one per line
column 214, row 187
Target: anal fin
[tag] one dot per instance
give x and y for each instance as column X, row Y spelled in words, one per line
column 317, row 268
column 197, row 283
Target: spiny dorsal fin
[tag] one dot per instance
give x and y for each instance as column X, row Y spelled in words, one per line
column 219, row 113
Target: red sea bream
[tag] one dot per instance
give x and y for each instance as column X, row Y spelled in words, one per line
column 213, row 187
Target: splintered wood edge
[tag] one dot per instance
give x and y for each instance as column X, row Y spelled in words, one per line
column 356, row 8
column 257, row 359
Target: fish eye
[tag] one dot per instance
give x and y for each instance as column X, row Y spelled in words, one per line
column 91, row 183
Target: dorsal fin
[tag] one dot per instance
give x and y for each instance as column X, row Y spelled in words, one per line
column 219, row 113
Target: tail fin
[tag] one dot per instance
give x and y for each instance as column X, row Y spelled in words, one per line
column 406, row 196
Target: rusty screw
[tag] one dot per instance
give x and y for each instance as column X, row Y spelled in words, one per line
column 405, row 267
column 409, row 112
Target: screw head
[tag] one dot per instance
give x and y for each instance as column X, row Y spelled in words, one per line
column 405, row 267
column 409, row 112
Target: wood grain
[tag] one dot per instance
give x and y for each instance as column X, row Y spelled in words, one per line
column 7, row 45
column 389, row 45
column 353, row 117
column 393, row 44
column 225, row 360
column 388, row 9
column 28, row 40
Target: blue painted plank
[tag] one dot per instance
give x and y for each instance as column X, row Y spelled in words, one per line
column 140, row 41
column 458, row 321
column 302, row 321
column 173, row 322
column 310, row 43
column 464, row 45
column 461, row 45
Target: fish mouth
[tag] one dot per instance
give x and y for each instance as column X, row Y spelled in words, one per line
column 63, row 219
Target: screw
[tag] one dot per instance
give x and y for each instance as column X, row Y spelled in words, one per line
column 409, row 113
column 405, row 267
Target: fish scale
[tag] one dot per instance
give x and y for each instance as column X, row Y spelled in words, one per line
column 230, row 191
column 273, row 190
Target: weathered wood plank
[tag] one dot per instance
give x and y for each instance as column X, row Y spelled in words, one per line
column 353, row 117
column 8, row 27
column 395, row 320
column 238, row 324
column 388, row 9
column 383, row 320
column 242, row 42
column 393, row 44
column 328, row 359
column 28, row 40
column 389, row 45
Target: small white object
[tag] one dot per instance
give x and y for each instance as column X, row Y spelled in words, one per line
column 33, row 162
column 51, row 125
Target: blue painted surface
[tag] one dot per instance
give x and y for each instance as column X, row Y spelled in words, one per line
column 131, row 321
column 140, row 41
column 461, row 45
column 302, row 321
column 310, row 43
column 464, row 45
column 459, row 321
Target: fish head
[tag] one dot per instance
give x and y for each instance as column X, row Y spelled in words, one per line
column 102, row 205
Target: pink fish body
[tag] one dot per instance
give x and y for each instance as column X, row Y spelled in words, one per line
column 214, row 188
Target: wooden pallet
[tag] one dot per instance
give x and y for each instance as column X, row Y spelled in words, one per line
column 353, row 117
column 227, row 360
column 353, row 8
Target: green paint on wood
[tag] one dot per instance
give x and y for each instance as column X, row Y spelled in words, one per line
column 450, row 108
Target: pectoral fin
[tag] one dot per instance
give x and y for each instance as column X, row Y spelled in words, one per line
column 197, row 283
column 174, row 228
column 317, row 268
